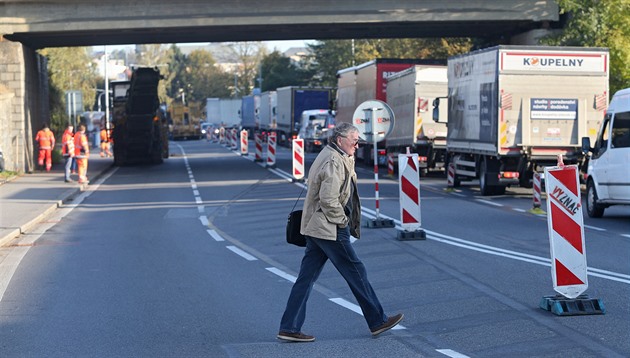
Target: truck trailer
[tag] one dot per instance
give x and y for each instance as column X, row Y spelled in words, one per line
column 140, row 125
column 268, row 103
column 410, row 94
column 250, row 110
column 292, row 101
column 513, row 109
column 364, row 82
column 229, row 109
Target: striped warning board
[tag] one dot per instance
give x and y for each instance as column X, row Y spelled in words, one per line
column 271, row 150
column 244, row 142
column 409, row 191
column 298, row 159
column 566, row 230
column 259, row 144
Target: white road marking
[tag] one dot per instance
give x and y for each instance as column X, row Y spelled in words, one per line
column 489, row 202
column 241, row 253
column 198, row 200
column 594, row 228
column 204, row 220
column 215, row 235
column 201, row 208
column 195, row 192
column 451, row 353
column 356, row 309
column 282, row 274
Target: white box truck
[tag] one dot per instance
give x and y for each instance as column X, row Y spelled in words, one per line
column 410, row 94
column 268, row 103
column 608, row 175
column 230, row 109
column 513, row 109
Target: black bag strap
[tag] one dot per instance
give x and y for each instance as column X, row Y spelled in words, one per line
column 298, row 198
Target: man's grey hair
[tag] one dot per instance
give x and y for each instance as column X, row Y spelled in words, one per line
column 343, row 130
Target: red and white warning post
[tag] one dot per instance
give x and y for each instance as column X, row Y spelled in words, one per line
column 566, row 230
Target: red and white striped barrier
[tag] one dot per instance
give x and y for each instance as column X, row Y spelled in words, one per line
column 536, row 188
column 259, row 139
column 409, row 191
column 566, row 230
column 244, row 142
column 298, row 159
column 222, row 135
column 450, row 176
column 233, row 141
column 271, row 150
column 390, row 165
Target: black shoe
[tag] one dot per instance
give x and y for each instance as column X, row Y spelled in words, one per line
column 295, row 337
column 69, row 181
column 389, row 324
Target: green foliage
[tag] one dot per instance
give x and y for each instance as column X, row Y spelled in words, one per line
column 331, row 56
column 599, row 23
column 278, row 71
column 69, row 68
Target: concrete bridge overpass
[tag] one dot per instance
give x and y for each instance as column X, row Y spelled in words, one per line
column 27, row 25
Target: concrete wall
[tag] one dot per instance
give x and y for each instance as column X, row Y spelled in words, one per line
column 23, row 103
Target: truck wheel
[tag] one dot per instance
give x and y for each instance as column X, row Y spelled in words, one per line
column 593, row 209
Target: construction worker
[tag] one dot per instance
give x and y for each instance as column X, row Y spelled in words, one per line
column 46, row 141
column 81, row 153
column 105, row 144
column 67, row 151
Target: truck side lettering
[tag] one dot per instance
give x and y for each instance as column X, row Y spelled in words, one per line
column 553, row 62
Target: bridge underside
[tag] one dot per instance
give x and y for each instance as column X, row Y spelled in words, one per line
column 227, row 33
column 55, row 23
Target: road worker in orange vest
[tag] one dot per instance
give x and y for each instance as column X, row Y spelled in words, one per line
column 81, row 153
column 67, row 150
column 105, row 143
column 46, row 141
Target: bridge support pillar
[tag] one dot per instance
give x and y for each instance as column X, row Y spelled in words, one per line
column 23, row 103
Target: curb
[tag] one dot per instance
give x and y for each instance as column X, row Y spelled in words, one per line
column 24, row 228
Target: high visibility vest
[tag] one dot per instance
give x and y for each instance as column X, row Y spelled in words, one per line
column 81, row 146
column 67, row 144
column 45, row 138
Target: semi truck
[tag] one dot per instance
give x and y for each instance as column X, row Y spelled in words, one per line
column 368, row 81
column 229, row 109
column 268, row 103
column 250, row 110
column 140, row 124
column 292, row 101
column 513, row 109
column 410, row 94
column 316, row 128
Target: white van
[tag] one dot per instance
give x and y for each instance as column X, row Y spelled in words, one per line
column 608, row 175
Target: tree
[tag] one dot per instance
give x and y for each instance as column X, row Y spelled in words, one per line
column 331, row 56
column 69, row 68
column 599, row 23
column 247, row 56
column 205, row 78
column 278, row 71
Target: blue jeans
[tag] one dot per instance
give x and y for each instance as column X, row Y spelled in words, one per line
column 68, row 167
column 342, row 255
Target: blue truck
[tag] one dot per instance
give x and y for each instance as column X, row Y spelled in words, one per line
column 250, row 112
column 291, row 102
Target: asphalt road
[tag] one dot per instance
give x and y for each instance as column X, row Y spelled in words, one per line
column 188, row 259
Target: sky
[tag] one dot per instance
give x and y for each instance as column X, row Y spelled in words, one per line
column 271, row 45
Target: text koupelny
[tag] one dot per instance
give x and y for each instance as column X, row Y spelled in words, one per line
column 553, row 62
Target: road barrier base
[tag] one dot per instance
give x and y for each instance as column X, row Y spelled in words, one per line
column 271, row 166
column 258, row 160
column 581, row 305
column 537, row 211
column 449, row 190
column 411, row 235
column 380, row 223
column 293, row 180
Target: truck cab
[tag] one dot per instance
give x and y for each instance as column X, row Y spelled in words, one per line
column 608, row 171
